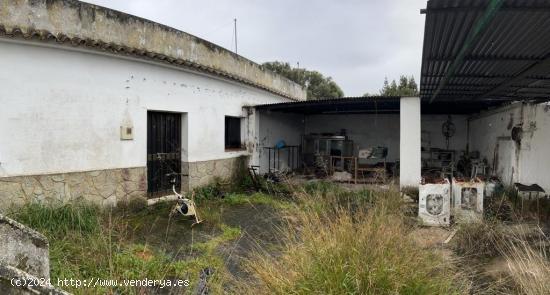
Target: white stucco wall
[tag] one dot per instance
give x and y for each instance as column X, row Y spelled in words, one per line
column 61, row 110
column 365, row 130
column 432, row 132
column 530, row 163
column 276, row 126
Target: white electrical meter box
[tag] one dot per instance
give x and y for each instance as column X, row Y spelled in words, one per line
column 126, row 132
column 126, row 127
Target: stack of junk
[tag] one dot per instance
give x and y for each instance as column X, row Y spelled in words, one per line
column 460, row 199
column 455, row 183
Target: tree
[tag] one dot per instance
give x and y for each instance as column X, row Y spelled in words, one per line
column 317, row 85
column 407, row 87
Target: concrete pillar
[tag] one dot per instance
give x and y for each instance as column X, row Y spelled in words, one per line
column 409, row 147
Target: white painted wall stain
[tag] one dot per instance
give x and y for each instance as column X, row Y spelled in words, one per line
column 61, row 110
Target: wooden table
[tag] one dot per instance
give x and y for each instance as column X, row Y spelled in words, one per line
column 355, row 168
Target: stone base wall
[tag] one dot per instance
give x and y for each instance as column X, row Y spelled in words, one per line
column 108, row 187
column 104, row 187
column 204, row 172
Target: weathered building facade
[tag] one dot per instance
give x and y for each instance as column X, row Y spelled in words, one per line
column 93, row 97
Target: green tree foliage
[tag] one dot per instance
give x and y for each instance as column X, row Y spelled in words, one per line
column 318, row 86
column 407, row 87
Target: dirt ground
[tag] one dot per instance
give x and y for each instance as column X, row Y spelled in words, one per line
column 258, row 224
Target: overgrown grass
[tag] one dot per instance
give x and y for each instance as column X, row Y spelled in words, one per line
column 476, row 240
column 358, row 247
column 86, row 243
column 523, row 246
column 81, row 218
column 334, row 241
column 528, row 264
column 258, row 199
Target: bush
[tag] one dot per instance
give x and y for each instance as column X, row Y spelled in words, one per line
column 212, row 191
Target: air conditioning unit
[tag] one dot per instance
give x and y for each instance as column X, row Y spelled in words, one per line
column 468, row 199
column 434, row 207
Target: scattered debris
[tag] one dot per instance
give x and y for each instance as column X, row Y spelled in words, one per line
column 341, row 176
column 450, row 236
column 202, row 286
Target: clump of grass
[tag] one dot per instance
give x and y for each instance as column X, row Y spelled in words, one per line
column 476, row 239
column 212, row 191
column 322, row 196
column 499, row 208
column 526, row 255
column 256, row 198
column 228, row 233
column 332, row 249
column 523, row 247
column 80, row 217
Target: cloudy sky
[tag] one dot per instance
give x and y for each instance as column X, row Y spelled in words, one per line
column 356, row 42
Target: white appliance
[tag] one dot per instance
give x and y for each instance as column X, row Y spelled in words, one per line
column 468, row 199
column 434, row 202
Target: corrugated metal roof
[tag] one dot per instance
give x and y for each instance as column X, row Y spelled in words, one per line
column 508, row 60
column 375, row 104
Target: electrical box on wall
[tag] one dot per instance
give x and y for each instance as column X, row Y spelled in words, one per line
column 126, row 127
column 126, row 132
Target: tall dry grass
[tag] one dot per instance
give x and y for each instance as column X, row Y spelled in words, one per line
column 360, row 246
column 526, row 255
column 524, row 248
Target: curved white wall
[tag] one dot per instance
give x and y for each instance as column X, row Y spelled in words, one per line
column 61, row 110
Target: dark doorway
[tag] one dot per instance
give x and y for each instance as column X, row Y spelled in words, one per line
column 163, row 152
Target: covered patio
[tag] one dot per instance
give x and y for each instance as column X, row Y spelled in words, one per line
column 399, row 128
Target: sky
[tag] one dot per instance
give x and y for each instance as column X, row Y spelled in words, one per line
column 356, row 42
